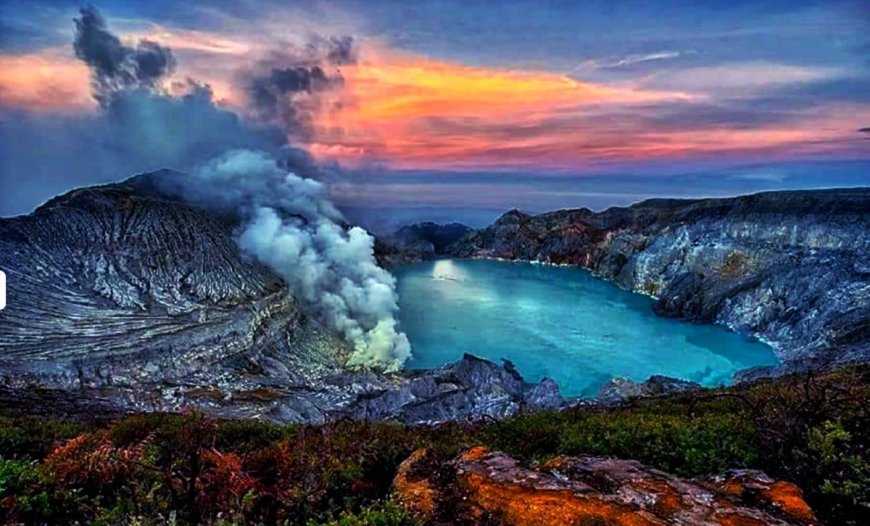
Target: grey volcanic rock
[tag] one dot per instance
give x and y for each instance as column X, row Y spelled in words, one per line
column 123, row 299
column 469, row 389
column 619, row 389
column 789, row 267
column 544, row 395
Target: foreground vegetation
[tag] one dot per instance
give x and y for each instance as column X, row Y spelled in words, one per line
column 188, row 469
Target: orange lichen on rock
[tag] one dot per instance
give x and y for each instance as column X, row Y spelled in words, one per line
column 667, row 500
column 482, row 485
column 778, row 495
column 728, row 519
column 519, row 504
column 414, row 492
column 790, row 499
column 474, row 453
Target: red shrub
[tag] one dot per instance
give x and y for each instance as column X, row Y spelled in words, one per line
column 223, row 484
column 91, row 459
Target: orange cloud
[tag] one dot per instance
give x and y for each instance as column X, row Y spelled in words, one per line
column 413, row 112
column 54, row 80
column 580, row 145
column 44, row 81
column 415, row 89
column 403, row 102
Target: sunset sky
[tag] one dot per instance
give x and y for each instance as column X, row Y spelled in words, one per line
column 464, row 109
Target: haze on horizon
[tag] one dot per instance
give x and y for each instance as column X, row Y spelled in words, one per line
column 442, row 110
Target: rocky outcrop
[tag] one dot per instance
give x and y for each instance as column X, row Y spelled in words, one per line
column 467, row 390
column 619, row 389
column 792, row 268
column 484, row 487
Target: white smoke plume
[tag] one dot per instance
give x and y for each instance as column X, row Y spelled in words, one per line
column 291, row 226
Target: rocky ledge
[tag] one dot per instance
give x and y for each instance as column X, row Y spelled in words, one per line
column 792, row 268
column 470, row 389
column 484, row 487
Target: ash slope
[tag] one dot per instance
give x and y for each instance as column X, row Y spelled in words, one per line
column 791, row 267
column 122, row 299
column 119, row 285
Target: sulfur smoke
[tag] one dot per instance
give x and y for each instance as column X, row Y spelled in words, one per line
column 291, row 226
column 288, row 223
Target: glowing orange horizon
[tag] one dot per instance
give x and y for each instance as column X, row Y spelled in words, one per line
column 44, row 81
column 409, row 111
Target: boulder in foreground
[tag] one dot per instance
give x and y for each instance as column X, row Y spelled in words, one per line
column 484, row 487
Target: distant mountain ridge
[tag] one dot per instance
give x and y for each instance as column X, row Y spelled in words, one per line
column 429, row 238
column 792, row 267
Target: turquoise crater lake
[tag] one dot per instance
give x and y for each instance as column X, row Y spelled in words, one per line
column 558, row 322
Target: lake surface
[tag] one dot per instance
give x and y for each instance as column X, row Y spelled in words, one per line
column 558, row 322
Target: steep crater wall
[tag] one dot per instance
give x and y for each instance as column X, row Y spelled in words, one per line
column 792, row 268
column 119, row 286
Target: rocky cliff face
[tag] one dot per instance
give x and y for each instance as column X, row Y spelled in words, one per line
column 123, row 299
column 790, row 267
column 428, row 239
column 484, row 487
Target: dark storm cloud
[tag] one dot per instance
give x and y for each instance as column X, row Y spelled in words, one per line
column 337, row 51
column 864, row 130
column 115, row 66
column 266, row 91
column 301, row 162
column 138, row 127
column 288, row 89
